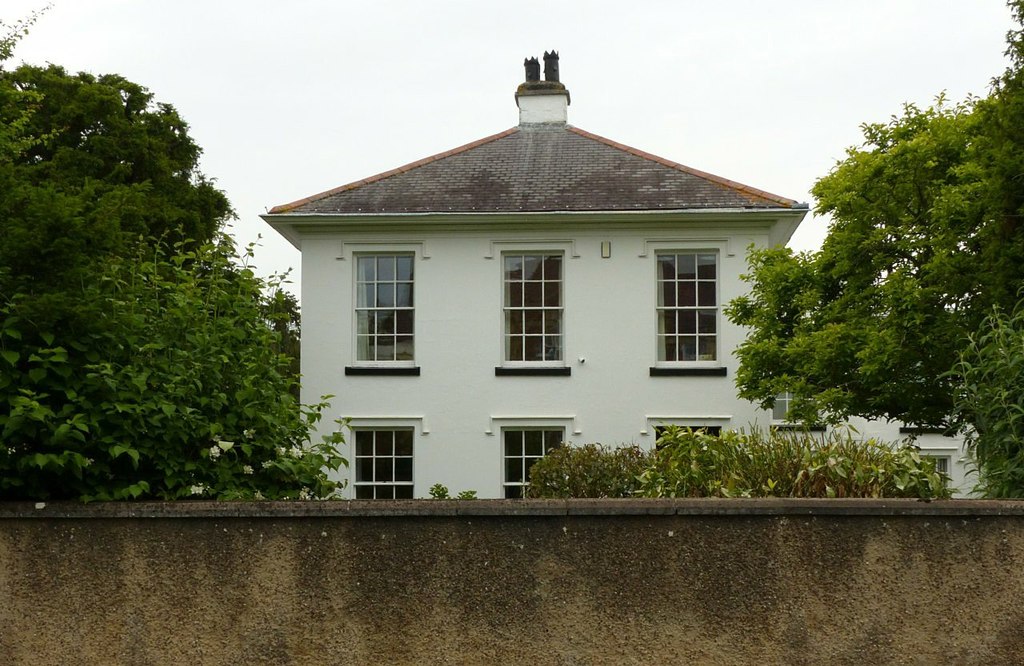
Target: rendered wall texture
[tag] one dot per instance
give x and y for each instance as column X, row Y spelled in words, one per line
column 580, row 582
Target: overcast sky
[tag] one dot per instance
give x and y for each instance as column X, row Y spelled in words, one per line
column 289, row 99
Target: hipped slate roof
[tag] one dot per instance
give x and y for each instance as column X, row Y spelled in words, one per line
column 540, row 168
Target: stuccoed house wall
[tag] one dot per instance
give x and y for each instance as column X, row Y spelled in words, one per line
column 537, row 582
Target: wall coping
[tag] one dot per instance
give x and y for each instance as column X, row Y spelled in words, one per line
column 448, row 508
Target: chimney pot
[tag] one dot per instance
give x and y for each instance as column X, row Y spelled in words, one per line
column 532, row 66
column 551, row 66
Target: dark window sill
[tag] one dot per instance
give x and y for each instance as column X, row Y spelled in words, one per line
column 688, row 372
column 797, row 427
column 535, row 372
column 912, row 430
column 408, row 371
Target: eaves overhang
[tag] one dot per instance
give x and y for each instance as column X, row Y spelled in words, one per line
column 782, row 221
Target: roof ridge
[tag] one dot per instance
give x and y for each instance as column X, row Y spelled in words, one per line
column 284, row 208
column 731, row 184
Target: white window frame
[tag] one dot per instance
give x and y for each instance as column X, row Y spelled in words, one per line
column 359, row 455
column 357, row 258
column 507, row 308
column 659, row 250
column 526, row 460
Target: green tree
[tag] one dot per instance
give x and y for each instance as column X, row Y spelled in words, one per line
column 925, row 239
column 139, row 357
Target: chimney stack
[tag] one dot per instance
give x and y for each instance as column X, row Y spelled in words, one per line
column 542, row 102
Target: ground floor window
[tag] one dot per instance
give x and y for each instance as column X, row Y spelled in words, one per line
column 523, row 447
column 383, row 464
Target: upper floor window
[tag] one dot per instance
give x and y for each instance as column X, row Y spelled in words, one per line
column 533, row 307
column 384, row 307
column 687, row 306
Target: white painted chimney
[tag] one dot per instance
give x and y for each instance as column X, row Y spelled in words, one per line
column 542, row 102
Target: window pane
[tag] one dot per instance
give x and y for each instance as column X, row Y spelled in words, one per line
column 686, row 266
column 366, row 269
column 403, row 348
column 385, row 443
column 403, row 267
column 532, row 268
column 514, row 321
column 403, row 492
column 552, row 439
column 533, row 348
column 384, row 469
column 364, row 492
column 552, row 294
column 687, row 322
column 364, row 469
column 403, row 322
column 686, row 294
column 534, row 442
column 386, row 322
column 708, row 350
column 552, row 349
column 667, row 266
column 385, row 269
column 534, row 321
column 687, row 348
column 513, row 492
column 553, row 267
column 514, row 294
column 513, row 470
column 365, row 296
column 706, row 321
column 706, row 293
column 385, row 295
column 513, row 443
column 384, row 492
column 365, row 322
column 514, row 347
column 706, row 266
column 365, row 348
column 552, row 322
column 667, row 294
column 513, row 268
column 364, row 443
column 532, row 294
column 667, row 321
column 403, row 295
column 403, row 442
column 403, row 469
column 666, row 348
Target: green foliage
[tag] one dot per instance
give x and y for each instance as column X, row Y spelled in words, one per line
column 991, row 398
column 175, row 390
column 590, row 470
column 440, row 492
column 869, row 325
column 786, row 464
column 927, row 237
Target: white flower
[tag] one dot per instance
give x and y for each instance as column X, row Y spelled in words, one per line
column 296, row 452
column 257, row 495
column 267, row 464
column 280, row 451
column 198, row 489
column 88, row 461
column 216, row 438
column 247, row 469
column 214, row 452
column 304, row 494
column 249, row 433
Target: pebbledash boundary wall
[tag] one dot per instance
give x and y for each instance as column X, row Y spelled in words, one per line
column 513, row 581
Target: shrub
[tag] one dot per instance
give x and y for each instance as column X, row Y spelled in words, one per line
column 787, row 464
column 590, row 470
column 990, row 403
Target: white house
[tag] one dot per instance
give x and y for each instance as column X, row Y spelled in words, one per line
column 543, row 284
